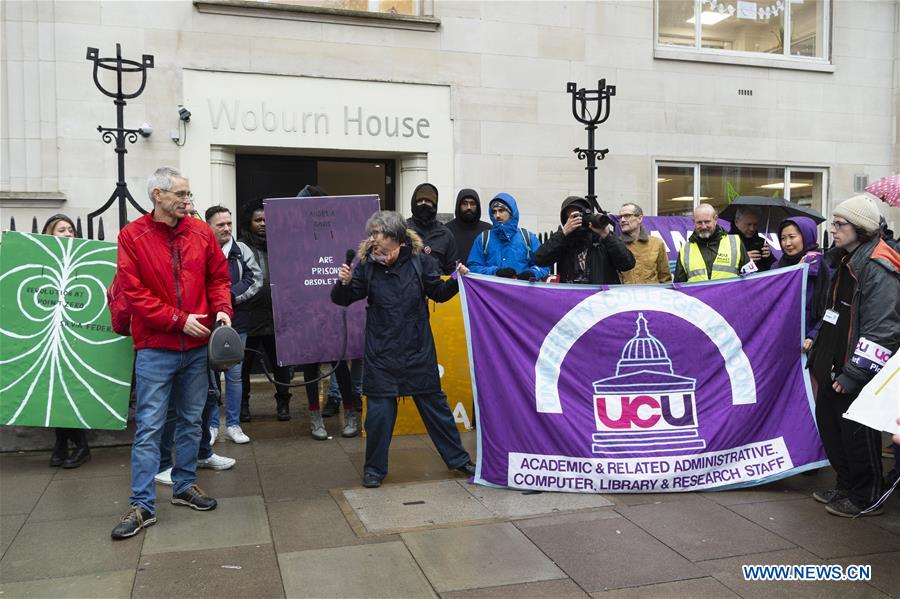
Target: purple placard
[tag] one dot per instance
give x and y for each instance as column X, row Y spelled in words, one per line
column 640, row 388
column 308, row 239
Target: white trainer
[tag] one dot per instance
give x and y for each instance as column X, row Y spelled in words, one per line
column 216, row 462
column 164, row 477
column 213, row 434
column 234, row 433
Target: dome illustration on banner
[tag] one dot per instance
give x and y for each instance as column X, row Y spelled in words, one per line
column 645, row 408
column 59, row 347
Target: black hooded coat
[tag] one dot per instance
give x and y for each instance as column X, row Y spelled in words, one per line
column 605, row 257
column 400, row 357
column 464, row 232
column 437, row 240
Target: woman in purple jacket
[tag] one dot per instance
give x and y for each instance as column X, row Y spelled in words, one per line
column 799, row 242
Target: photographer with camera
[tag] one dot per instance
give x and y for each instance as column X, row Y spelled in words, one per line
column 583, row 248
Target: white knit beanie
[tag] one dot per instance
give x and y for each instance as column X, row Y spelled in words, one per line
column 861, row 211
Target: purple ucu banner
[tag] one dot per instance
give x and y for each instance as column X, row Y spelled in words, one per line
column 640, row 388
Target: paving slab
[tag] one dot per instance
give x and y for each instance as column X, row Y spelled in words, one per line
column 248, row 571
column 83, row 498
column 19, row 493
column 471, row 557
column 235, row 521
column 410, row 465
column 609, row 553
column 29, row 463
column 284, row 450
column 645, row 498
column 699, row 529
column 9, row 528
column 806, row 523
column 374, row 570
column 513, row 503
column 239, row 481
column 795, row 487
column 401, row 507
column 105, row 461
column 728, row 572
column 549, row 589
column 312, row 523
column 572, row 517
column 105, row 585
column 82, row 546
column 885, row 570
column 696, row 588
column 301, row 479
column 890, row 520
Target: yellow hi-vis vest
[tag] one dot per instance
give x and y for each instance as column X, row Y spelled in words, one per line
column 724, row 267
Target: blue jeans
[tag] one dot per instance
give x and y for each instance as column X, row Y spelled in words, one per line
column 437, row 417
column 356, row 372
column 164, row 376
column 168, row 434
column 232, row 393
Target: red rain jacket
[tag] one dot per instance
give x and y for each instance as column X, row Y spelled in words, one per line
column 166, row 273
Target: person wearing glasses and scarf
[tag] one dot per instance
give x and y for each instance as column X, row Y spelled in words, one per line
column 860, row 331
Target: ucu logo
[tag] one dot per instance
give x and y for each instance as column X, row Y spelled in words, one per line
column 642, row 412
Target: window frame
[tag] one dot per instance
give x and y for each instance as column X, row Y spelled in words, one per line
column 740, row 57
column 696, row 164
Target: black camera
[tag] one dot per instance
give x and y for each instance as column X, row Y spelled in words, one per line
column 589, row 217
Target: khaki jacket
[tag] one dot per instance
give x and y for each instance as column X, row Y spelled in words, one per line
column 651, row 261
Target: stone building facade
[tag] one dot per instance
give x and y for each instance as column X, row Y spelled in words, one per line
column 378, row 96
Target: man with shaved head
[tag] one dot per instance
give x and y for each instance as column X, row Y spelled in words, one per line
column 710, row 253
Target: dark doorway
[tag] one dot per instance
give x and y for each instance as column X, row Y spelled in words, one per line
column 271, row 176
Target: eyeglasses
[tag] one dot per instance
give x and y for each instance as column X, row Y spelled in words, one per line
column 624, row 216
column 181, row 195
column 837, row 224
column 376, row 233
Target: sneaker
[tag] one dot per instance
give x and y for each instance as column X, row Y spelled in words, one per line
column 283, row 409
column 164, row 477
column 132, row 522
column 351, row 424
column 847, row 509
column 195, row 498
column 215, row 462
column 317, row 426
column 370, row 481
column 827, row 496
column 235, row 434
column 213, row 434
column 245, row 413
column 332, row 407
column 468, row 469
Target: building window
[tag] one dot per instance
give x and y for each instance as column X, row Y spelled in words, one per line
column 681, row 186
column 793, row 30
column 412, row 8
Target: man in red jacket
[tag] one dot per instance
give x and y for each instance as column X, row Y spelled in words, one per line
column 175, row 278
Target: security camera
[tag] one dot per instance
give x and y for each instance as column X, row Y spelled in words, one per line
column 184, row 114
column 145, row 130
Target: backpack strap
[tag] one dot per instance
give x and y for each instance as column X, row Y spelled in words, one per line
column 527, row 238
column 485, row 239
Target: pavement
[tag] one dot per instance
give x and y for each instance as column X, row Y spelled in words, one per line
column 294, row 521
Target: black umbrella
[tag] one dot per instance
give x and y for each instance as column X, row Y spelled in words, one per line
column 772, row 210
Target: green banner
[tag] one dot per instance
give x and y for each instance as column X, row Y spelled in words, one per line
column 61, row 364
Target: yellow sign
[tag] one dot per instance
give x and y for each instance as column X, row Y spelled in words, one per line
column 453, row 365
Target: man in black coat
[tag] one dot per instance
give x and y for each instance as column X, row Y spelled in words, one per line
column 746, row 225
column 400, row 358
column 261, row 330
column 467, row 225
column 437, row 240
column 590, row 255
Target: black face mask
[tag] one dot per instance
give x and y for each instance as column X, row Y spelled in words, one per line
column 425, row 213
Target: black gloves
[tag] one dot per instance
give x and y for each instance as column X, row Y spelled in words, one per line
column 525, row 275
column 506, row 273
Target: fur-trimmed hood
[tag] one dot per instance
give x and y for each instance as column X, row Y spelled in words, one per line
column 413, row 239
